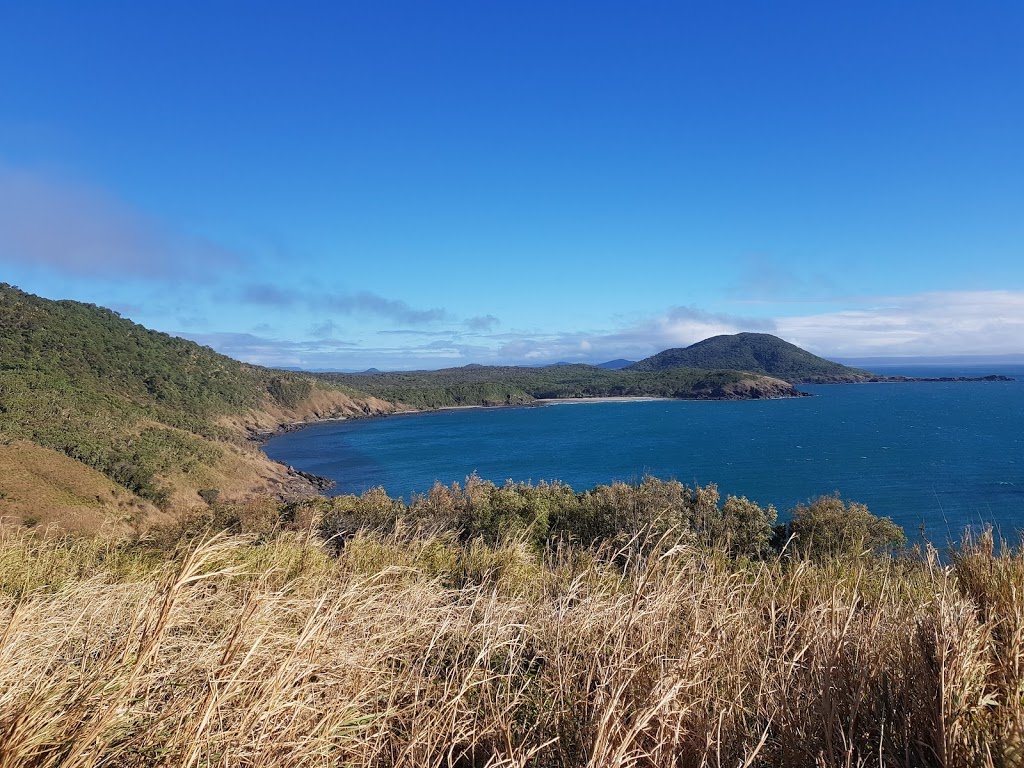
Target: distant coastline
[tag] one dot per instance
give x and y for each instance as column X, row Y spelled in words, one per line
column 259, row 438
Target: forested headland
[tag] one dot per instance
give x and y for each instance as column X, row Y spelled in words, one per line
column 513, row 385
column 106, row 423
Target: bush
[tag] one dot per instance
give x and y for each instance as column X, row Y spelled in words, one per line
column 538, row 513
column 829, row 528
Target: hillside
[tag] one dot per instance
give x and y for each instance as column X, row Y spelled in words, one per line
column 755, row 352
column 159, row 417
column 508, row 385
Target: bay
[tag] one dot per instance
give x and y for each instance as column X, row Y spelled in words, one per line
column 944, row 456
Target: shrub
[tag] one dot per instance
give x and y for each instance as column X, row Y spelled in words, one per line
column 829, row 528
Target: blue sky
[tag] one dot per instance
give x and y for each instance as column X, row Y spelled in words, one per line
column 404, row 185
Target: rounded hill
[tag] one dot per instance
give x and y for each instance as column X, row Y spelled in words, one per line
column 755, row 352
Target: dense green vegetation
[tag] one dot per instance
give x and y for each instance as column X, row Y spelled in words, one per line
column 507, row 385
column 606, row 514
column 128, row 401
column 756, row 352
column 539, row 513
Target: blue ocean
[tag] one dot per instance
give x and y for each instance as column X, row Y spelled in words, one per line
column 936, row 457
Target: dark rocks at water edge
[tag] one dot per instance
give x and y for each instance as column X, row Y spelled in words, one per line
column 261, row 437
column 300, row 485
column 318, row 482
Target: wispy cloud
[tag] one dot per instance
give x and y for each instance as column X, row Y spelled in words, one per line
column 360, row 302
column 270, row 296
column 324, row 330
column 84, row 230
column 413, row 332
column 481, row 323
column 263, row 350
column 392, row 309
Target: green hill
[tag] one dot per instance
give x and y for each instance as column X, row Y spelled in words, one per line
column 159, row 416
column 755, row 352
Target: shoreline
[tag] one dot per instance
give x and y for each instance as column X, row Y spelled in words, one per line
column 262, row 437
column 608, row 399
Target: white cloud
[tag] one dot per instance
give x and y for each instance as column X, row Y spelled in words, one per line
column 261, row 350
column 938, row 323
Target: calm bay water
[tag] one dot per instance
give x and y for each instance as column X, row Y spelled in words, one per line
column 947, row 455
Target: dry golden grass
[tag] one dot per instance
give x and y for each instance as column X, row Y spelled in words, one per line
column 44, row 488
column 415, row 650
column 318, row 405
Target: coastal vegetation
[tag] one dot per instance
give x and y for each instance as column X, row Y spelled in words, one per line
column 300, row 640
column 537, row 514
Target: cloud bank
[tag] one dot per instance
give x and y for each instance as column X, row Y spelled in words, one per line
column 938, row 323
column 264, row 350
column 942, row 323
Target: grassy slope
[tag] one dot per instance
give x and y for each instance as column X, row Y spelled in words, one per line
column 42, row 487
column 160, row 416
column 494, row 385
column 757, row 352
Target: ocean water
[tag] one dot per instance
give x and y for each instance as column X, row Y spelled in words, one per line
column 944, row 456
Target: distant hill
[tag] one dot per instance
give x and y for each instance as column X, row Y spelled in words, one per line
column 616, row 365
column 156, row 416
column 755, row 352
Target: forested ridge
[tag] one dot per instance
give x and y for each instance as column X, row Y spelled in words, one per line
column 511, row 385
column 135, row 404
